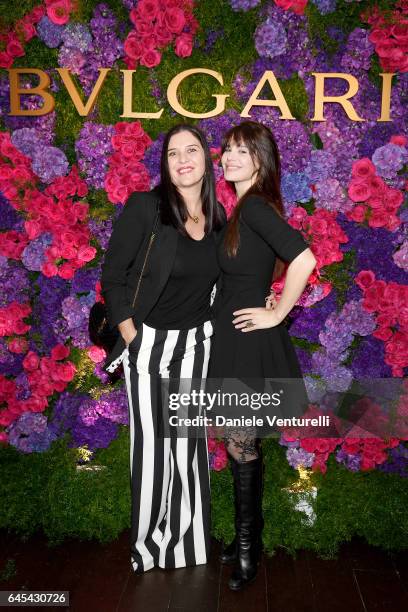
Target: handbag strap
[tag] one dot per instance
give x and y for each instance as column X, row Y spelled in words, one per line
column 149, row 246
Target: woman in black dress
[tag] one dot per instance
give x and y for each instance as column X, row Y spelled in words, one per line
column 251, row 340
column 163, row 248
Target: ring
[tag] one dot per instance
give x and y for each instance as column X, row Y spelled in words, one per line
column 249, row 323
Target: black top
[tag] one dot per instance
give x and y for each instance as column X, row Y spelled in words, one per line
column 185, row 300
column 246, row 281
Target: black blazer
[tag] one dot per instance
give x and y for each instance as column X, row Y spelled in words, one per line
column 124, row 260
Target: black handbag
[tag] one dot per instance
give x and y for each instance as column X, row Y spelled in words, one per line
column 100, row 333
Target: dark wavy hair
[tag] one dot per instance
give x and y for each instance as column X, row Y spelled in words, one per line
column 173, row 209
column 264, row 152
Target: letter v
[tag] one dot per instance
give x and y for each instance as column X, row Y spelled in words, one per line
column 82, row 109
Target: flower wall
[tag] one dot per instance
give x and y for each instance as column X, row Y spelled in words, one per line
column 65, row 178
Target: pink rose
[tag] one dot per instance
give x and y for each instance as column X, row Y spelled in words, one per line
column 26, row 28
column 385, row 48
column 58, row 11
column 149, row 42
column 60, row 351
column 359, row 191
column 358, row 213
column 150, row 58
column 33, row 229
column 68, row 252
column 378, row 218
column 133, row 47
column 184, row 45
column 298, row 6
column 38, row 403
column 377, row 185
column 15, row 48
column 144, row 28
column 96, row 354
column 86, row 253
column 66, row 271
column 36, row 14
column 400, row 31
column 49, row 269
column 363, row 168
column 393, row 197
column 399, row 140
column 18, row 345
column 377, row 35
column 162, row 34
column 6, row 417
column 6, row 60
column 212, row 444
column 31, row 361
column 66, row 371
column 365, row 279
column 383, row 333
column 148, row 9
column 219, row 463
column 174, row 20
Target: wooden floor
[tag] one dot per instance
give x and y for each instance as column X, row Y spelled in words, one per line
column 99, row 579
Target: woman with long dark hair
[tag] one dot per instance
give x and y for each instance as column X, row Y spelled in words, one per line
column 251, row 341
column 157, row 278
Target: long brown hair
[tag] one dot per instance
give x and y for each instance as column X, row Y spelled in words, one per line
column 263, row 151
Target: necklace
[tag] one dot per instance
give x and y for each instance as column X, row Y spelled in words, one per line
column 195, row 218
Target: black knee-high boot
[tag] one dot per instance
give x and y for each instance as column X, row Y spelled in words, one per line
column 229, row 554
column 249, row 533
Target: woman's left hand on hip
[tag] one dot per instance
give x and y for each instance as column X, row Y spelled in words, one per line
column 249, row 319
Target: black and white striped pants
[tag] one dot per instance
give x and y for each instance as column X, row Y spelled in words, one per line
column 170, row 486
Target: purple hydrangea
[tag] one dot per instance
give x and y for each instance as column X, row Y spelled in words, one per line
column 397, row 462
column 27, row 140
column 101, row 230
column 358, row 51
column 331, row 196
column 270, row 39
column 49, row 163
column 15, row 283
column 46, row 310
column 335, row 338
column 321, row 165
column 77, row 36
column 30, row 433
column 85, row 280
column 75, row 311
column 49, row 32
column 352, row 462
column 93, row 147
column 299, row 457
column 295, row 187
column 389, row 158
column 71, row 58
column 33, row 255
